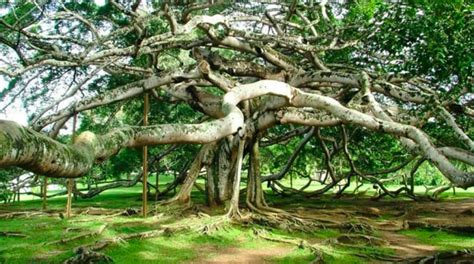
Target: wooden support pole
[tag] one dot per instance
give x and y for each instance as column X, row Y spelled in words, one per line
column 174, row 180
column 157, row 184
column 145, row 161
column 69, row 198
column 18, row 188
column 45, row 193
column 70, row 182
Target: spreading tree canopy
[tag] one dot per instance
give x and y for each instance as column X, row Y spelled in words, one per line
column 375, row 86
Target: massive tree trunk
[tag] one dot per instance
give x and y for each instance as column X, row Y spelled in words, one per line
column 202, row 159
column 255, row 197
column 245, row 70
column 220, row 173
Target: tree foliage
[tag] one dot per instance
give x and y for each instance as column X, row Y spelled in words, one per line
column 361, row 89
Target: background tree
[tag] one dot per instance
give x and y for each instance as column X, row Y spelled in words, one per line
column 359, row 90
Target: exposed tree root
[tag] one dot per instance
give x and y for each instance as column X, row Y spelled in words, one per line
column 12, row 234
column 457, row 256
column 219, row 224
column 97, row 211
column 73, row 229
column 108, row 214
column 356, row 227
column 164, row 230
column 381, row 257
column 80, row 211
column 233, row 213
column 282, row 221
column 25, row 214
column 467, row 229
column 83, row 255
column 173, row 208
column 359, row 240
column 101, row 244
column 321, row 251
column 80, row 236
column 175, row 202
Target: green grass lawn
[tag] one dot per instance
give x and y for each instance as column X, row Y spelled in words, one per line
column 182, row 247
column 177, row 248
column 441, row 239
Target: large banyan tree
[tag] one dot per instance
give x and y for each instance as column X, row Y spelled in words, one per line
column 346, row 76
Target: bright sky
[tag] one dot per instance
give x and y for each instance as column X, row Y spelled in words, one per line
column 99, row 2
column 15, row 111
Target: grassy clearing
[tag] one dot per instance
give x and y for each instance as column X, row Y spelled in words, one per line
column 183, row 247
column 178, row 248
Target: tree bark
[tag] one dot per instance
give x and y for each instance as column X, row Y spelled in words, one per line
column 234, row 201
column 19, row 146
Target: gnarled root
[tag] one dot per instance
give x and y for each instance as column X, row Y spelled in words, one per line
column 359, row 240
column 233, row 213
column 80, row 236
column 457, row 256
column 282, row 220
column 214, row 225
column 84, row 255
column 356, row 227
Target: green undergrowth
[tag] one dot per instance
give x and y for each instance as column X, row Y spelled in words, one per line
column 441, row 239
column 189, row 246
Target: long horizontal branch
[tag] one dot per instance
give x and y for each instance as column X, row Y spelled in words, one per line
column 20, row 146
column 115, row 95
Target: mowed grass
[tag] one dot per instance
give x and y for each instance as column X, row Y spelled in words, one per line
column 183, row 247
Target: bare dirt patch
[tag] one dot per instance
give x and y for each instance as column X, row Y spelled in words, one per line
column 388, row 217
column 406, row 246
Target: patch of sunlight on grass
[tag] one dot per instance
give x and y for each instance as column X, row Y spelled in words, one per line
column 332, row 256
column 155, row 250
column 43, row 229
